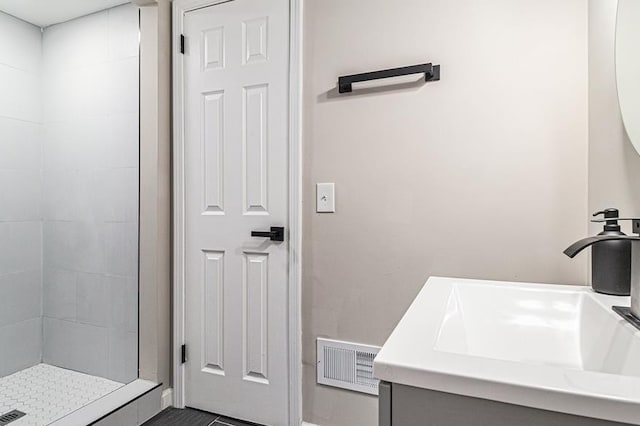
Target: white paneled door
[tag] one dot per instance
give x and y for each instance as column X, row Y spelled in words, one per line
column 236, row 182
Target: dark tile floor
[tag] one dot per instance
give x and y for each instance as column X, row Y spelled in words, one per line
column 189, row 417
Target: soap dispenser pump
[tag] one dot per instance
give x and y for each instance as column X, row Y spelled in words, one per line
column 611, row 260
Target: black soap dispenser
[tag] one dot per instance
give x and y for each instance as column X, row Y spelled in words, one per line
column 611, row 260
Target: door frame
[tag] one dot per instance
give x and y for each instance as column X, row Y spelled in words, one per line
column 180, row 7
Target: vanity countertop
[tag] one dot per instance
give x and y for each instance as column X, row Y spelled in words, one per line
column 552, row 347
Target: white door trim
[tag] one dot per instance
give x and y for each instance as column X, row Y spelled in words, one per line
column 180, row 7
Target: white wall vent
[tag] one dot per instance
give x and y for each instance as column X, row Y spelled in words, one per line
column 347, row 365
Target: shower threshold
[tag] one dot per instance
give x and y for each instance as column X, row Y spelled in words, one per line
column 46, row 393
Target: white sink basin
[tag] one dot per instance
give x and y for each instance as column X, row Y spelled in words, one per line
column 559, row 348
column 549, row 326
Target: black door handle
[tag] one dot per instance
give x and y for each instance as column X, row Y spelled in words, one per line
column 276, row 233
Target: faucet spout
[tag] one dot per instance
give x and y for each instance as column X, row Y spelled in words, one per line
column 582, row 244
column 632, row 312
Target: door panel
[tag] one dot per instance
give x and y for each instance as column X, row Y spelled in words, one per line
column 255, row 148
column 213, row 309
column 213, row 147
column 255, row 321
column 236, row 171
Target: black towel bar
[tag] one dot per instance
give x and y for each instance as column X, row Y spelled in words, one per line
column 431, row 73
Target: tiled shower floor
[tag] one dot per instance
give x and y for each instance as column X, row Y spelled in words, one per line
column 47, row 393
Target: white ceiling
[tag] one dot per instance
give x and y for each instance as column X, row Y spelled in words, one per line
column 48, row 12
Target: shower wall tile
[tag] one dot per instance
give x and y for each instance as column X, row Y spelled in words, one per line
column 92, row 299
column 65, row 195
column 118, row 195
column 122, row 149
column 81, row 92
column 101, row 248
column 94, row 196
column 60, row 95
column 20, row 44
column 121, row 249
column 20, row 195
column 89, row 196
column 90, row 192
column 20, row 293
column 123, row 28
column 123, row 355
column 76, row 246
column 123, row 301
column 79, row 347
column 20, row 95
column 59, row 288
column 21, row 345
column 20, row 247
column 77, row 43
column 78, row 144
column 21, row 144
column 123, row 86
column 94, row 94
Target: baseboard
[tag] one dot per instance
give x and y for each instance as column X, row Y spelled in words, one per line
column 167, row 398
column 307, row 424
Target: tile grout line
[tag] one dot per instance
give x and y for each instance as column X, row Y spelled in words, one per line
column 214, row 420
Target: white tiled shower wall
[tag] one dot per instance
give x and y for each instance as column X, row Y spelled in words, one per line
column 90, row 194
column 20, row 195
column 69, row 194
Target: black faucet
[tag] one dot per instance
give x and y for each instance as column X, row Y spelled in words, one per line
column 582, row 244
column 631, row 314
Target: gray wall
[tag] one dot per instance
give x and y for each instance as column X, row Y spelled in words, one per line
column 614, row 165
column 483, row 174
column 91, row 152
column 20, row 195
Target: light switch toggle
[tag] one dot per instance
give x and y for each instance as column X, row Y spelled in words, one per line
column 325, row 198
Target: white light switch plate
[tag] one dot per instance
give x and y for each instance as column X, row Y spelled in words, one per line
column 325, row 198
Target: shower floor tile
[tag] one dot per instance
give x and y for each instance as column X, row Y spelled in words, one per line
column 47, row 393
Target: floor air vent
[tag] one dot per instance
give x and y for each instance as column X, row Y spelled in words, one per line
column 347, row 365
column 11, row 416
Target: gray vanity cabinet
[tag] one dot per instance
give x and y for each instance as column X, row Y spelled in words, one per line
column 401, row 405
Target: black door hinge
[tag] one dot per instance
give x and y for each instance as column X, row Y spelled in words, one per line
column 184, row 353
column 182, row 43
